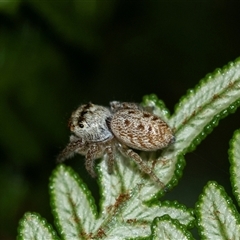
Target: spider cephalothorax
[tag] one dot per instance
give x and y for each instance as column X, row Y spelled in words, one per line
column 99, row 130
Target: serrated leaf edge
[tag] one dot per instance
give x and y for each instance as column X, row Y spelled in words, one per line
column 234, row 159
column 175, row 224
column 32, row 216
column 231, row 207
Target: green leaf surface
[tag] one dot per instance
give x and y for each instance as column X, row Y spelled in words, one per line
column 196, row 114
column 169, row 229
column 73, row 206
column 217, row 217
column 33, row 226
column 234, row 157
column 124, row 214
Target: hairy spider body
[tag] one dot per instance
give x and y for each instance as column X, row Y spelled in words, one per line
column 99, row 130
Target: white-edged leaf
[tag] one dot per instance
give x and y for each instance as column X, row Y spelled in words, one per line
column 33, row 226
column 234, row 157
column 73, row 206
column 217, row 217
column 140, row 211
column 157, row 106
column 125, row 176
column 130, row 212
column 169, row 229
column 196, row 114
column 199, row 111
column 129, row 217
column 125, row 216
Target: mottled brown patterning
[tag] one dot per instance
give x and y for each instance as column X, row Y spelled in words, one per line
column 140, row 130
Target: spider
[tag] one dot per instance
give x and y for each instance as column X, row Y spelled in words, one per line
column 98, row 130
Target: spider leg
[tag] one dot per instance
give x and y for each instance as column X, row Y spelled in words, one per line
column 70, row 150
column 110, row 160
column 93, row 152
column 142, row 165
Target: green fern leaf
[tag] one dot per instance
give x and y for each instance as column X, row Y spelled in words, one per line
column 217, row 217
column 169, row 229
column 33, row 226
column 234, row 157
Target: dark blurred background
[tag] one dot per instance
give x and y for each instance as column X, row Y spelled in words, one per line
column 55, row 55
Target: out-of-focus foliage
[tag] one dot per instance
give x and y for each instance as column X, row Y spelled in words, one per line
column 55, row 55
column 9, row 7
column 82, row 23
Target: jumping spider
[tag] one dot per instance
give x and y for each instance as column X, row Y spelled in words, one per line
column 98, row 130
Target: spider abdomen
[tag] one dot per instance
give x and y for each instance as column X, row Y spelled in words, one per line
column 141, row 130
